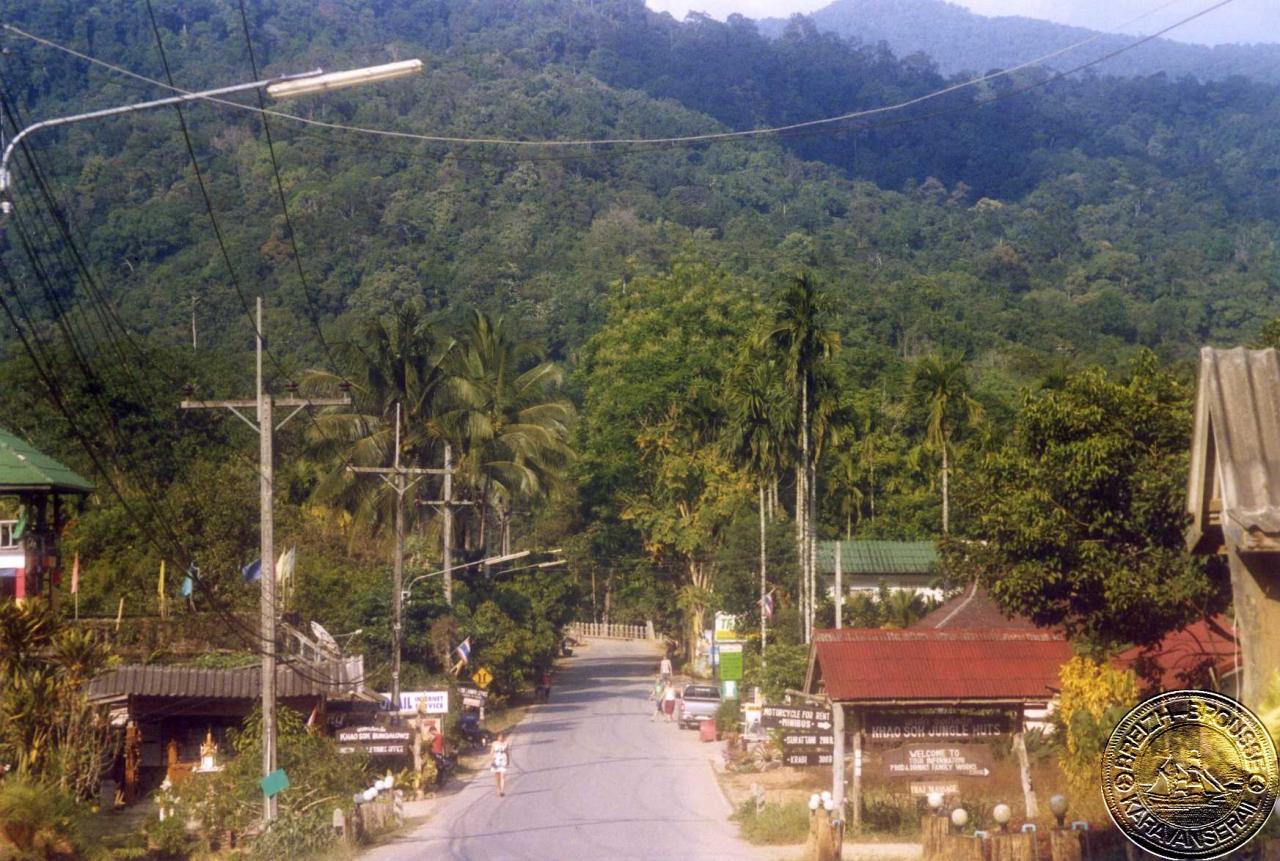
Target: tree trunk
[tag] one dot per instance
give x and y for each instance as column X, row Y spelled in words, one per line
column 802, row 593
column 811, row 522
column 946, row 499
column 805, row 563
column 764, row 581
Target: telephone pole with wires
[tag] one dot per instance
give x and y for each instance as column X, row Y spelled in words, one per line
column 266, row 426
column 396, row 477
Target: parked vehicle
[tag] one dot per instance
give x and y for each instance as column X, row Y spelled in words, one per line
column 699, row 702
column 446, row 764
column 476, row 737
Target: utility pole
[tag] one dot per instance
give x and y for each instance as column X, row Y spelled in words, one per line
column 397, row 483
column 266, row 428
column 446, row 505
column 194, row 300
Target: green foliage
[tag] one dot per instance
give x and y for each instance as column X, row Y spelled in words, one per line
column 775, row 824
column 38, row 820
column 729, row 716
column 1081, row 512
column 785, row 667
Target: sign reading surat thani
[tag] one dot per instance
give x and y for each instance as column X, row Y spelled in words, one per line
column 897, row 727
column 795, row 718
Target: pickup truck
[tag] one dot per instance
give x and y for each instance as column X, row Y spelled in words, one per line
column 698, row 703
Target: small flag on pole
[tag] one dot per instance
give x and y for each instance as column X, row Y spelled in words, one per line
column 766, row 605
column 75, row 575
column 252, row 571
column 464, row 650
column 188, row 582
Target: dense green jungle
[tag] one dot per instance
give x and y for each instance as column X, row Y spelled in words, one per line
column 613, row 337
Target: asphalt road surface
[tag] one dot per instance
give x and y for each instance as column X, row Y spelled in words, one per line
column 591, row 778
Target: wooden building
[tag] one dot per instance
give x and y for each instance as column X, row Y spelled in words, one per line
column 862, row 566
column 1233, row 497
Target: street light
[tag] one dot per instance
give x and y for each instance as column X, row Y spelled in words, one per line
column 1002, row 814
column 492, row 560
column 282, row 86
column 1058, row 804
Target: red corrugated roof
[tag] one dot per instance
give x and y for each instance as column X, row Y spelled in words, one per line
column 1195, row 657
column 874, row 664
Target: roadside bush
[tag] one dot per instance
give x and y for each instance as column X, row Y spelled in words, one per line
column 775, row 824
column 37, row 820
column 729, row 716
column 884, row 813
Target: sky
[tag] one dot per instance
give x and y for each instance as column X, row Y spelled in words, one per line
column 1239, row 21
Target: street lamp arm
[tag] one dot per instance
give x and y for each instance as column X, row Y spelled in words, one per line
column 139, row 106
column 490, row 561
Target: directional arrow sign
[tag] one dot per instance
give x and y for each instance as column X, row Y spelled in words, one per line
column 795, row 718
column 808, row 739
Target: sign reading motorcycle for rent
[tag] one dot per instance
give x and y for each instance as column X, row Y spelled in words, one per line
column 802, row 718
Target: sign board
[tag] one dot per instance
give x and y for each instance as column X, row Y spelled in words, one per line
column 482, row 677
column 274, row 783
column 927, row 760
column 913, row 726
column 472, row 697
column 804, row 759
column 728, row 689
column 375, row 740
column 796, row 718
column 730, row 661
column 752, row 729
column 430, row 702
column 927, row 789
column 808, row 739
column 726, row 627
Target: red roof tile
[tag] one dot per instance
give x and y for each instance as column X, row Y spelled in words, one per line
column 972, row 608
column 874, row 664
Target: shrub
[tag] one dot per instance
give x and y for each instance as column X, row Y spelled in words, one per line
column 39, row 820
column 775, row 823
column 728, row 716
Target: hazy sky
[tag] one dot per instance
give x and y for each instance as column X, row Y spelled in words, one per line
column 1240, row 21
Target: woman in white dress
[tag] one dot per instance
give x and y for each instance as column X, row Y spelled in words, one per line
column 500, row 758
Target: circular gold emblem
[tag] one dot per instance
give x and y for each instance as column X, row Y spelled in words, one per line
column 1190, row 774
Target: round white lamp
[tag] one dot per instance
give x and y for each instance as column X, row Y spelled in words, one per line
column 815, row 801
column 1002, row 814
column 1058, row 804
column 935, row 802
column 959, row 817
column 370, row 794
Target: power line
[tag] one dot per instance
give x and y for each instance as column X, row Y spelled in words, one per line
column 711, row 137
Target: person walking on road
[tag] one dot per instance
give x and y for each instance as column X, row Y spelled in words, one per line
column 656, row 695
column 664, row 669
column 669, row 701
column 500, row 759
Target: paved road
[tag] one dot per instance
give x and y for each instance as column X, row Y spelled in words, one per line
column 591, row 778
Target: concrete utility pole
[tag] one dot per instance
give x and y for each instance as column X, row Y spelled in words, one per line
column 398, row 483
column 446, row 506
column 266, row 428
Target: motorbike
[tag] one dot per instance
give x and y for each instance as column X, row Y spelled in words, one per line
column 476, row 737
column 446, row 765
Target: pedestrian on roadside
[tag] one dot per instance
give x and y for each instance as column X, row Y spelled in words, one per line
column 544, row 686
column 669, row 701
column 664, row 669
column 500, row 759
column 656, row 695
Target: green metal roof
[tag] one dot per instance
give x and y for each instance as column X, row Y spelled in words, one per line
column 23, row 468
column 879, row 557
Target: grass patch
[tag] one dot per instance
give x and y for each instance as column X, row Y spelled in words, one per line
column 775, row 824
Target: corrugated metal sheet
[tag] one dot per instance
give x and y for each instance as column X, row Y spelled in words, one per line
column 334, row 679
column 1184, row 657
column 22, row 467
column 876, row 665
column 1234, row 477
column 878, row 557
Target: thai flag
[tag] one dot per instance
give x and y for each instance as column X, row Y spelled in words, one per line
column 766, row 605
column 252, row 571
column 464, row 650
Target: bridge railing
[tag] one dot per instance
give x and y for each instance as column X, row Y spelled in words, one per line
column 612, row 631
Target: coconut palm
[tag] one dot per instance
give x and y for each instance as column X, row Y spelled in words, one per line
column 396, row 360
column 506, row 417
column 940, row 385
column 795, row 335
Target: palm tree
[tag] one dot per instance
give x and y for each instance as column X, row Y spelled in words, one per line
column 756, row 437
column 940, row 384
column 399, row 359
column 507, row 418
column 796, row 336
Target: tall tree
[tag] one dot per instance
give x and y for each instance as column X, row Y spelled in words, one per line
column 940, row 385
column 508, row 418
column 796, row 334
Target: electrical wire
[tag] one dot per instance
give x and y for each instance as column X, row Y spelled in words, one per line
column 769, row 131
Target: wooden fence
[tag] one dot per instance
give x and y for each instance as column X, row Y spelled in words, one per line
column 611, row 631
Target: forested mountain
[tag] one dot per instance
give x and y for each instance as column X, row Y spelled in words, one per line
column 958, row 40
column 1017, row 230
